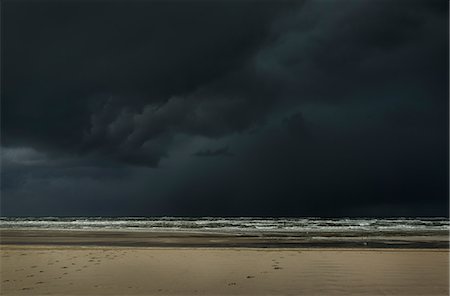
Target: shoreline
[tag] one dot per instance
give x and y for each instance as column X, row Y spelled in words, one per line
column 157, row 239
column 23, row 247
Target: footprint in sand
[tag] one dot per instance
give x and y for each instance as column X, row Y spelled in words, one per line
column 277, row 267
column 250, row 277
column 41, row 271
column 38, row 283
column 30, row 275
column 64, row 267
column 27, row 288
column 6, row 281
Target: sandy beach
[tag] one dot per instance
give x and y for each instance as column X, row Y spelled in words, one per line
column 83, row 269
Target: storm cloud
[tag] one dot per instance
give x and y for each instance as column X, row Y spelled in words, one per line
column 329, row 108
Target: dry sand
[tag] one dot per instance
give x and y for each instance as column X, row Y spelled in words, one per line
column 89, row 270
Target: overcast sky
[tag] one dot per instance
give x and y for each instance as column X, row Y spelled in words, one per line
column 230, row 108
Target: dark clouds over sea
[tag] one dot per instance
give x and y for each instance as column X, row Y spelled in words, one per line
column 277, row 108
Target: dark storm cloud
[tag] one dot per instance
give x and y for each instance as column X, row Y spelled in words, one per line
column 331, row 50
column 120, row 79
column 331, row 107
column 224, row 151
column 65, row 58
column 296, row 126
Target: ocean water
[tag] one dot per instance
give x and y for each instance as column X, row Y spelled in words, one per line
column 236, row 224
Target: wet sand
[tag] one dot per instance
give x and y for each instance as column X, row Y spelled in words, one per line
column 90, row 264
column 207, row 239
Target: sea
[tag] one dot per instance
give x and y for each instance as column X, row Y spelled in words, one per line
column 311, row 225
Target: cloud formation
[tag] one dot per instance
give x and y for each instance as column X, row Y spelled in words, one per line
column 224, row 151
column 330, row 108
